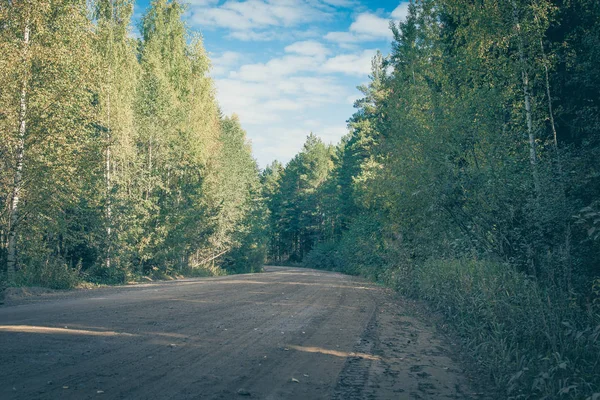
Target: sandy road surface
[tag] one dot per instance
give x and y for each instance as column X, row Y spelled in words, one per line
column 283, row 334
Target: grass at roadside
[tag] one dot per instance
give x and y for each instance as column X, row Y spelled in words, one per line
column 533, row 342
column 63, row 277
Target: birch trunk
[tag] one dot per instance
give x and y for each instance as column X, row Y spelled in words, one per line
column 531, row 135
column 108, row 186
column 567, row 268
column 18, row 178
column 108, row 142
column 550, row 111
column 527, row 96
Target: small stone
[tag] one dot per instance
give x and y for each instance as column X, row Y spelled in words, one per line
column 243, row 392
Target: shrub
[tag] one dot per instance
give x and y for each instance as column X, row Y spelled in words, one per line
column 322, row 256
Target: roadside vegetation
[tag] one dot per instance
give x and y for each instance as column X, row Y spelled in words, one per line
column 469, row 180
column 115, row 160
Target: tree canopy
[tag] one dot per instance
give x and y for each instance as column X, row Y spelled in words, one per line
column 469, row 179
column 116, row 160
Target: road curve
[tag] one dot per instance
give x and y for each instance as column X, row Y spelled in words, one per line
column 287, row 333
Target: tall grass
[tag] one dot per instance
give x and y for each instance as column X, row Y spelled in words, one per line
column 50, row 273
column 534, row 343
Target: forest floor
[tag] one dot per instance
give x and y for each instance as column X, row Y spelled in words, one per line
column 287, row 333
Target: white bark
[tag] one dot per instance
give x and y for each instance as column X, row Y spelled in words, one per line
column 18, row 177
column 550, row 111
column 527, row 96
column 108, row 182
column 108, row 186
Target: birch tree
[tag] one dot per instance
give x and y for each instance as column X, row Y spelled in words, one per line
column 51, row 41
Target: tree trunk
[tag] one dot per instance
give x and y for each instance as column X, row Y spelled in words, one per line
column 108, row 143
column 567, row 268
column 531, row 254
column 550, row 111
column 527, row 95
column 18, row 177
column 530, row 133
column 149, row 185
column 108, row 178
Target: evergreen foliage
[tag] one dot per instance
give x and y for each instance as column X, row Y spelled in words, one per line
column 469, row 180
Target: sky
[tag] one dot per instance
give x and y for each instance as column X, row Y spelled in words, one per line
column 290, row 67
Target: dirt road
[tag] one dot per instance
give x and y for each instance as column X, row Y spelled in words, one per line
column 283, row 334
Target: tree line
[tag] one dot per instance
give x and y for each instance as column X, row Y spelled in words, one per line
column 469, row 179
column 115, row 159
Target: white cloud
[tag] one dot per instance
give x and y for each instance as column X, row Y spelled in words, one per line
column 352, row 64
column 306, row 87
column 275, row 68
column 283, row 105
column 221, row 17
column 252, row 36
column 307, row 48
column 369, row 27
column 344, row 37
column 250, row 14
column 246, row 100
column 340, row 3
column 331, row 134
column 401, row 12
column 225, row 62
column 266, row 102
column 310, row 57
column 201, row 2
column 282, row 142
column 280, row 101
column 261, row 20
column 312, row 123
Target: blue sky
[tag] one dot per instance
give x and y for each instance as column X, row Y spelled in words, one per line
column 290, row 67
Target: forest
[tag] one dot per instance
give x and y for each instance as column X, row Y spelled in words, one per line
column 468, row 179
column 115, row 159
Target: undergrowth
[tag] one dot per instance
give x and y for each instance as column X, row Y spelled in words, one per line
column 535, row 343
column 532, row 342
column 58, row 275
